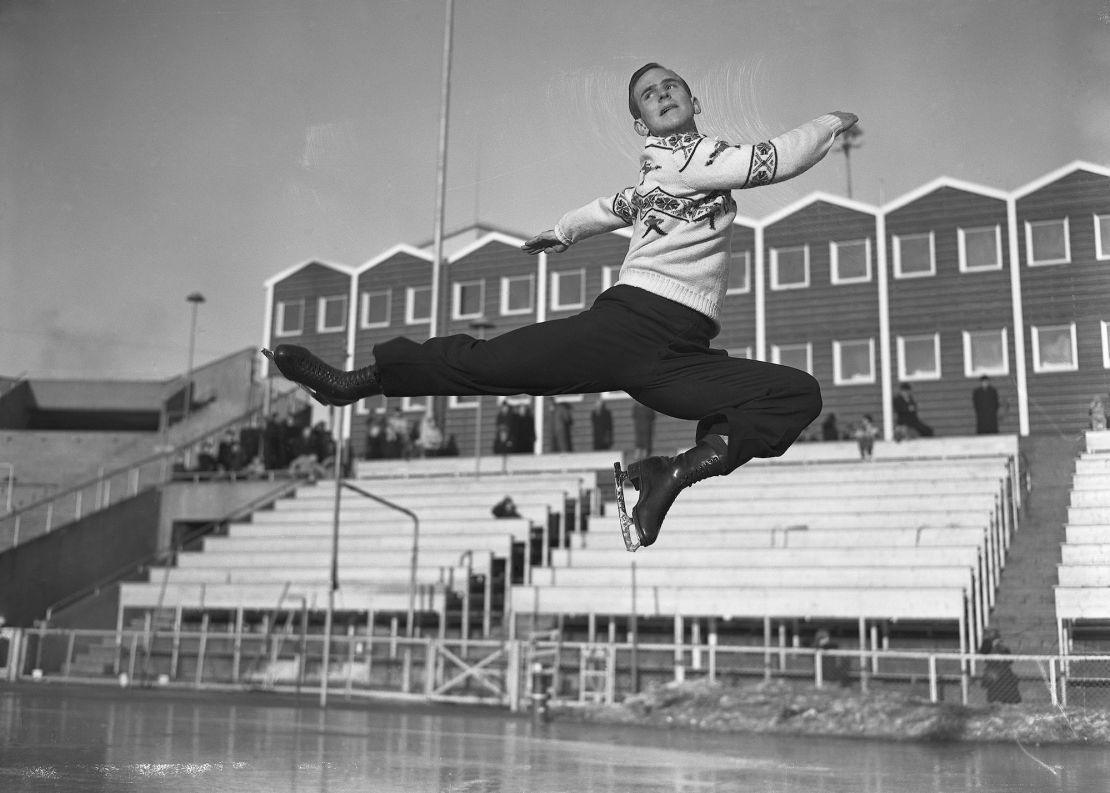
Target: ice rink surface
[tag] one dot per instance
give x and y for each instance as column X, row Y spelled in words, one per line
column 55, row 738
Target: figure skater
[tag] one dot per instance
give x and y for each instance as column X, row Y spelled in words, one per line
column 649, row 334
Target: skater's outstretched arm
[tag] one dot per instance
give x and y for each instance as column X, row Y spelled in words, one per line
column 752, row 165
column 608, row 213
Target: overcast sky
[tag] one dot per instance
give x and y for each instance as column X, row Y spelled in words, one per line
column 152, row 148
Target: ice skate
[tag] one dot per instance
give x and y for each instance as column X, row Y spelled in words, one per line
column 324, row 383
column 659, row 480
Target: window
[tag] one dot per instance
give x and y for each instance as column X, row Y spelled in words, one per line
column 851, row 261
column 1102, row 237
column 418, row 305
column 1047, row 242
column 1054, row 348
column 374, row 404
column 980, row 249
column 739, row 273
column 854, row 362
column 462, row 401
column 986, row 352
column 790, row 268
column 609, row 276
column 799, row 356
column 375, row 308
column 741, row 352
column 290, row 318
column 467, row 299
column 332, row 314
column 1105, row 344
column 919, row 357
column 914, row 256
column 518, row 294
column 568, row 290
column 410, row 403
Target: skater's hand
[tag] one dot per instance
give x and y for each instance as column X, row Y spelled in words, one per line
column 547, row 241
column 847, row 120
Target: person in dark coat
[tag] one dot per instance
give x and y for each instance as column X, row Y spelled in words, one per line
column 524, row 430
column 985, row 401
column 643, row 428
column 905, row 414
column 504, row 430
column 562, row 421
column 601, row 420
column 998, row 675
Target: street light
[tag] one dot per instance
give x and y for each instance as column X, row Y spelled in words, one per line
column 196, row 298
column 479, row 325
column 848, row 141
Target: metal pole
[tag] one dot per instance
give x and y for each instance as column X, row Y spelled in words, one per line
column 480, row 325
column 196, row 298
column 11, row 484
column 441, row 177
column 326, row 661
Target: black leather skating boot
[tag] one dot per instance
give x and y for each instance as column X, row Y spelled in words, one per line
column 660, row 479
column 327, row 385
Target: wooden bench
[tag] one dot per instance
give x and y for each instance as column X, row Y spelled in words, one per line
column 264, row 597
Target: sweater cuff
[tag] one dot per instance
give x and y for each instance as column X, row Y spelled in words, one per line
column 563, row 238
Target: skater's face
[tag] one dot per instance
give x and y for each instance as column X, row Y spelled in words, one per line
column 665, row 103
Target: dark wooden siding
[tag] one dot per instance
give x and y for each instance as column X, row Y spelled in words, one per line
column 1058, row 294
column 825, row 312
column 310, row 283
column 951, row 302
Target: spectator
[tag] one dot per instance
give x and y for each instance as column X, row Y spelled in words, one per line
column 399, row 434
column 503, row 434
column 431, row 436
column 601, row 420
column 505, row 508
column 524, row 430
column 207, row 461
column 375, row 437
column 998, row 676
column 866, row 433
column 908, row 423
column 562, row 423
column 643, row 427
column 984, row 400
column 829, row 430
column 223, row 453
column 834, row 668
column 273, row 444
column 1098, row 412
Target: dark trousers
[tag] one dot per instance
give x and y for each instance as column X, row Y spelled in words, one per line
column 630, row 340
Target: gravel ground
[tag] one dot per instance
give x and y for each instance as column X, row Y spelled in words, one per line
column 780, row 708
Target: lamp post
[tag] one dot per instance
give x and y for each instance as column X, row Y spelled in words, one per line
column 848, row 141
column 479, row 325
column 196, row 298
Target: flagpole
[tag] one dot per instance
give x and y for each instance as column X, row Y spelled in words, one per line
column 441, row 177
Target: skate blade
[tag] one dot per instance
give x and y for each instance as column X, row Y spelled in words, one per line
column 628, row 528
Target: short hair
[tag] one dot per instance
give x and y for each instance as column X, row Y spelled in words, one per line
column 633, row 107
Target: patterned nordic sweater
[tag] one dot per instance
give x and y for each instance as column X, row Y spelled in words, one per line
column 682, row 211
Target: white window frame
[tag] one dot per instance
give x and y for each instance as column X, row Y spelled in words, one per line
column 411, row 404
column 1042, row 368
column 410, row 302
column 838, row 374
column 746, row 352
column 456, row 298
column 610, row 274
column 898, row 273
column 1105, row 344
column 454, row 404
column 279, row 319
column 1029, row 225
column 362, row 407
column 364, row 308
column 556, row 277
column 996, row 265
column 903, row 374
column 776, row 285
column 1002, row 370
column 776, row 354
column 505, row 281
column 1102, row 244
column 568, row 398
column 834, row 261
column 747, row 287
column 322, row 313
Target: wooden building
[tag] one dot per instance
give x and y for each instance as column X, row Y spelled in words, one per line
column 934, row 289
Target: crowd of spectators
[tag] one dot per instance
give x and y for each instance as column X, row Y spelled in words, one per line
column 290, row 443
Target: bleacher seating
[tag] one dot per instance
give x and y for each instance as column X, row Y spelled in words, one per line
column 920, row 533
column 1083, row 589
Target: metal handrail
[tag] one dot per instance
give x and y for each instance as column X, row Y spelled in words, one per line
column 114, row 577
column 130, row 468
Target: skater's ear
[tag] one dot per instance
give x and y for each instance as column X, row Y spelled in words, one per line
column 641, row 128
